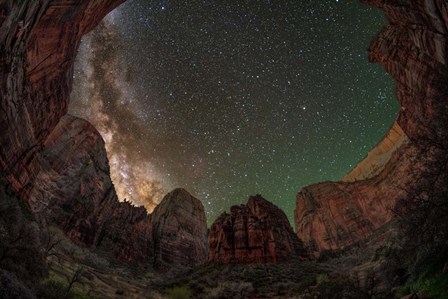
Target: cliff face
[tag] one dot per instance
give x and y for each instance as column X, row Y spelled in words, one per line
column 38, row 43
column 73, row 188
column 257, row 232
column 332, row 215
column 413, row 49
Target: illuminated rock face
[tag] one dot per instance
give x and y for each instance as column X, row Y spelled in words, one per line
column 378, row 157
column 257, row 232
column 413, row 49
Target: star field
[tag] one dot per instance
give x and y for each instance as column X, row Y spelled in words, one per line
column 228, row 99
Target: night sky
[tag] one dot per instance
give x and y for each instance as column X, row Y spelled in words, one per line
column 232, row 98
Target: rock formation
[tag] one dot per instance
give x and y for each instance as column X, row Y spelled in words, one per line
column 58, row 163
column 38, row 44
column 332, row 215
column 73, row 190
column 413, row 49
column 180, row 231
column 258, row 232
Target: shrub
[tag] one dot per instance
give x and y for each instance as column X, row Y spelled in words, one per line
column 53, row 289
column 179, row 292
column 230, row 290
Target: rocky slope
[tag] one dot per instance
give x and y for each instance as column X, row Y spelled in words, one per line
column 257, row 232
column 413, row 49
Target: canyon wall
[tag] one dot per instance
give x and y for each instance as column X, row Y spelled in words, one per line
column 58, row 163
column 412, row 47
column 38, row 44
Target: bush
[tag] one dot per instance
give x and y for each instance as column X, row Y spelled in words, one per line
column 180, row 292
column 53, row 289
column 231, row 290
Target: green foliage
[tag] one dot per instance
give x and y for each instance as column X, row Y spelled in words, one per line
column 53, row 288
column 322, row 278
column 178, row 292
column 435, row 284
column 78, row 294
column 403, row 291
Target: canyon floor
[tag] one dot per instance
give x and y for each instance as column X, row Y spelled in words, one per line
column 360, row 271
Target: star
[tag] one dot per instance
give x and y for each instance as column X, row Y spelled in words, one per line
column 227, row 99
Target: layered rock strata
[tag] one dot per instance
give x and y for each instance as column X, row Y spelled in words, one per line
column 38, row 44
column 413, row 49
column 258, row 232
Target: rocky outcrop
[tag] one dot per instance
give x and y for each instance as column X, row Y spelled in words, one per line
column 258, row 232
column 378, row 157
column 180, row 231
column 413, row 49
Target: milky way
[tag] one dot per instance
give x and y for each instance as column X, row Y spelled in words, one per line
column 233, row 98
column 104, row 96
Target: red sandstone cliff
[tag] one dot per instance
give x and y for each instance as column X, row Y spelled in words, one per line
column 258, row 232
column 332, row 215
column 38, row 43
column 413, row 49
